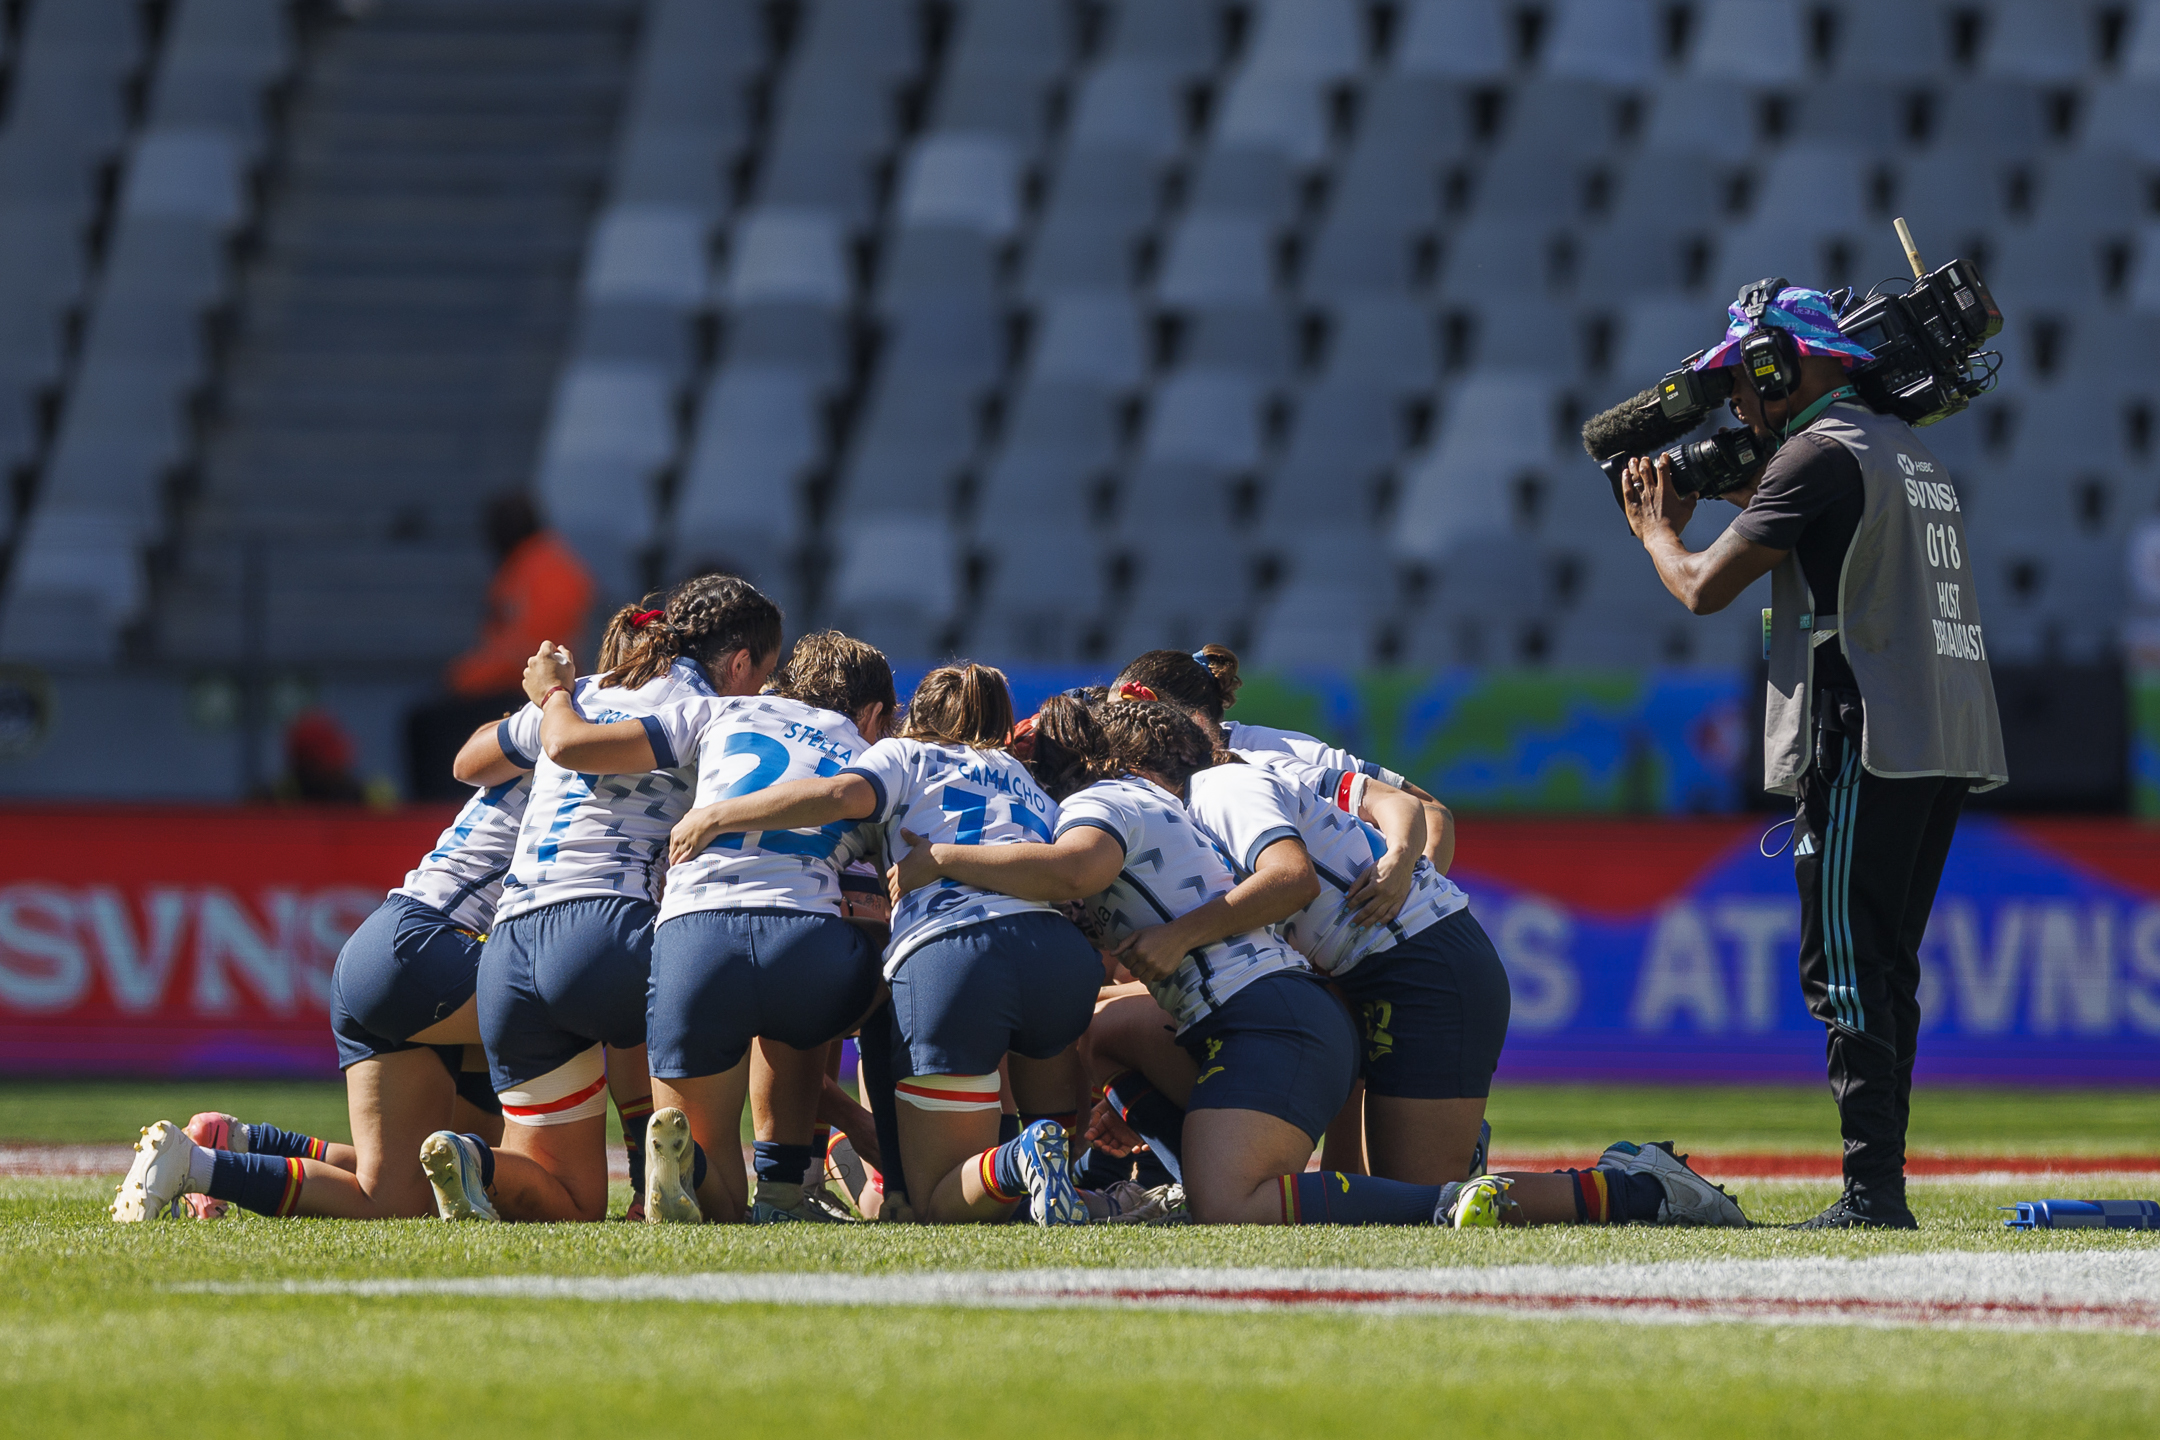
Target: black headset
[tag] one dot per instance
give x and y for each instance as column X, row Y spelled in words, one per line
column 1769, row 352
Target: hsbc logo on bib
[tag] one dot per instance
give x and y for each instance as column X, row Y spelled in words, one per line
column 1909, row 465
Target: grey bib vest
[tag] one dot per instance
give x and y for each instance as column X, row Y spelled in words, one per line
column 1906, row 618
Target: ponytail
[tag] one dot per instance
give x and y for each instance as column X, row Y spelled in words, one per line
column 1070, row 751
column 704, row 620
column 1204, row 681
column 962, row 704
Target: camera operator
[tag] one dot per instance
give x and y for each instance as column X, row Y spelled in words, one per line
column 1881, row 712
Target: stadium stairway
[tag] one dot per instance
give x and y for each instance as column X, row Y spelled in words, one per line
column 398, row 332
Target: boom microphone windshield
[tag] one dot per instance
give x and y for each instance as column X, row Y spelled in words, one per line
column 1634, row 427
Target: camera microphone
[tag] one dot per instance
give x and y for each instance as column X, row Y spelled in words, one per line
column 1639, row 426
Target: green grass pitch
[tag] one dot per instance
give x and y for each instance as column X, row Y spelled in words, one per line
column 93, row 1340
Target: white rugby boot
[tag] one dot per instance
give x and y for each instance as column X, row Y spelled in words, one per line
column 453, row 1168
column 670, row 1166
column 157, row 1176
column 1689, row 1199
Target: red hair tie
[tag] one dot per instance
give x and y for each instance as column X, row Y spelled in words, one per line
column 1130, row 691
column 645, row 617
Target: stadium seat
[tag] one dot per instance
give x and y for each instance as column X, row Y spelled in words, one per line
column 2054, row 265
column 1351, row 257
column 1546, row 120
column 1865, row 115
column 1033, row 38
column 1494, row 429
column 758, row 435
column 2106, row 190
column 1381, row 342
column 930, row 265
column 1184, row 594
column 1217, row 258
column 988, row 97
column 2123, row 115
column 1762, row 249
column 787, row 255
column 1083, row 254
column 1183, row 36
column 1207, row 417
column 1043, row 589
column 969, row 181
column 874, row 36
column 1105, row 185
column 1514, row 185
column 2140, row 56
column 1812, row 191
column 1278, row 110
column 1615, row 259
column 1343, row 438
column 1244, row 180
column 1092, row 336
column 1488, row 596
column 1498, row 257
column 1074, row 420
column 895, row 583
column 1457, row 39
column 952, row 341
column 799, row 335
column 2044, row 43
column 1130, row 105
column 1606, row 42
column 1758, row 42
column 1324, row 619
column 1036, row 487
column 1709, row 116
column 1254, row 339
column 1528, row 334
column 2006, row 117
column 649, row 253
column 1319, row 39
column 1891, row 43
column 1952, row 195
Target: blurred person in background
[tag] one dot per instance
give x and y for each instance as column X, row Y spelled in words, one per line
column 540, row 590
column 319, row 762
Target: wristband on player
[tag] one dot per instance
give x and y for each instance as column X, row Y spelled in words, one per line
column 553, row 691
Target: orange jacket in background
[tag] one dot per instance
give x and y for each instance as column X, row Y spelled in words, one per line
column 542, row 592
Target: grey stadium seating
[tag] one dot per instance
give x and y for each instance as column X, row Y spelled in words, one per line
column 1048, row 327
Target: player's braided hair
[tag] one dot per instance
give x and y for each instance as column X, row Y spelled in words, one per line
column 1205, row 680
column 836, row 672
column 1158, row 737
column 621, row 629
column 705, row 619
column 961, row 704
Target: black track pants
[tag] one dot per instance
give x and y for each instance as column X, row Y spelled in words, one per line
column 1868, row 856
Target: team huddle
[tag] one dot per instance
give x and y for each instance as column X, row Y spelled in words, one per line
column 1121, row 961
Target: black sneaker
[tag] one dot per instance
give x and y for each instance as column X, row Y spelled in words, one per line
column 1850, row 1212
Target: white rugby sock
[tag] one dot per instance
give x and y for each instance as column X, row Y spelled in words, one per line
column 200, row 1163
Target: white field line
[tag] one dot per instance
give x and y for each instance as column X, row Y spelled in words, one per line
column 2092, row 1290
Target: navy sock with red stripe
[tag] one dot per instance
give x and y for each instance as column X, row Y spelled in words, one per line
column 634, row 1118
column 778, row 1164
column 1329, row 1197
column 269, row 1140
column 265, row 1184
column 1153, row 1116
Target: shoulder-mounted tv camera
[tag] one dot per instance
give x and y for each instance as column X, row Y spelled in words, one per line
column 1928, row 364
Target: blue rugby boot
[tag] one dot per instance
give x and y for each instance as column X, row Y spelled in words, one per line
column 1044, row 1164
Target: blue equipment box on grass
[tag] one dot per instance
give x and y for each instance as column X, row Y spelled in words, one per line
column 2084, row 1215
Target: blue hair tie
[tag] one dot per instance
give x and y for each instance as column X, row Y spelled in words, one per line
column 1200, row 658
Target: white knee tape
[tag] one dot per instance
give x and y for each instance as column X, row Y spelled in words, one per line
column 573, row 1091
column 951, row 1092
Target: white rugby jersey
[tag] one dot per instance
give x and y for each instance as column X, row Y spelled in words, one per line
column 951, row 795
column 1305, row 747
column 463, row 875
column 1171, row 867
column 594, row 836
column 1246, row 808
column 741, row 745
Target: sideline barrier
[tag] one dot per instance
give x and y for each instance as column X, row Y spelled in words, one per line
column 186, row 941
